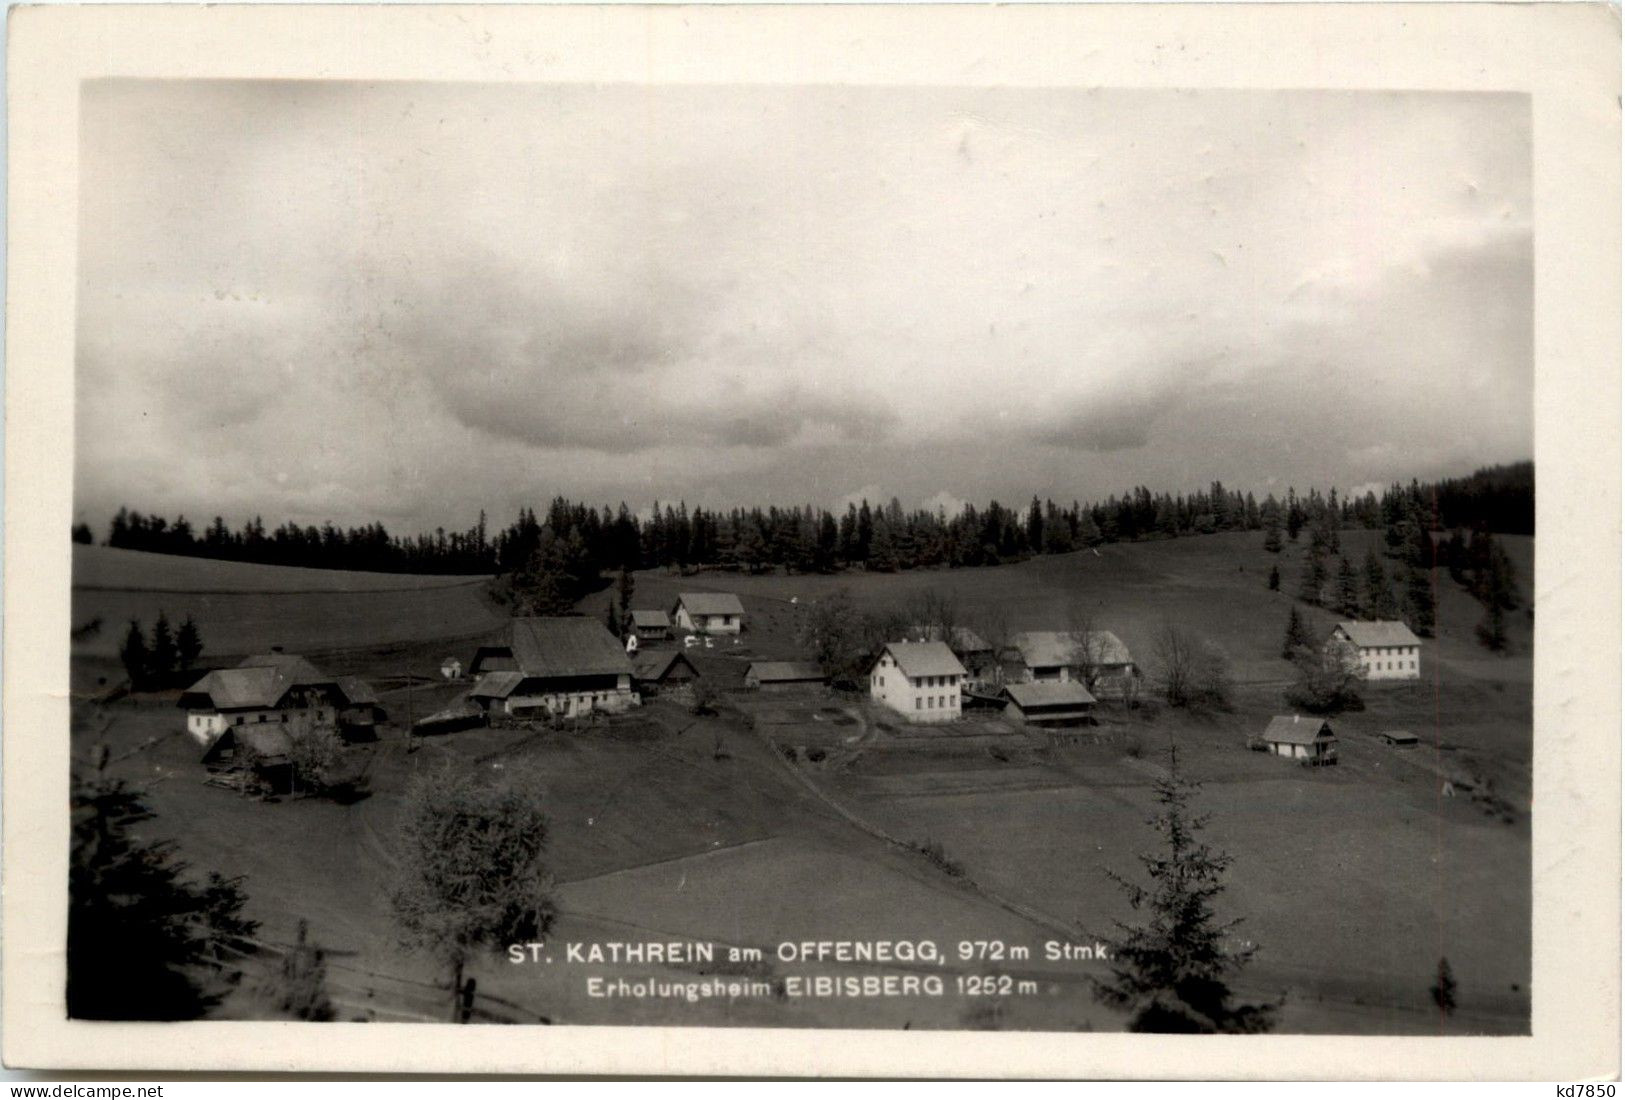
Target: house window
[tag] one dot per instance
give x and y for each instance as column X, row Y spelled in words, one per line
column 917, row 703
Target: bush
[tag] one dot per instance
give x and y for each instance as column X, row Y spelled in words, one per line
column 1326, row 682
column 932, row 850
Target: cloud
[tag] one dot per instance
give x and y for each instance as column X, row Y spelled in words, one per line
column 945, row 502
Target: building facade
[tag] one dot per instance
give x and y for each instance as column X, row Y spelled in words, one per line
column 565, row 666
column 919, row 680
column 708, row 613
column 1382, row 650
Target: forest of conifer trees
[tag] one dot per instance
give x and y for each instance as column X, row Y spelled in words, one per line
column 585, row 542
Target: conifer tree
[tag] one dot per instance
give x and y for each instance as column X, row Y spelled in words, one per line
column 1312, row 585
column 1275, row 579
column 163, row 656
column 1297, row 634
column 1379, row 596
column 1443, row 989
column 144, row 941
column 1171, row 974
column 1348, row 588
column 135, row 657
column 188, row 644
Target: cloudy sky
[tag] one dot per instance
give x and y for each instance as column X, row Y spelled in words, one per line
column 405, row 302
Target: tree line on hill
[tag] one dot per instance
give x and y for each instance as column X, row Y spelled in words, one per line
column 157, row 660
column 587, row 541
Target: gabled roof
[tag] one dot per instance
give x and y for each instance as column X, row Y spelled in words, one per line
column 357, row 692
column 267, row 740
column 710, row 603
column 292, row 667
column 496, row 685
column 924, row 659
column 655, row 665
column 238, row 688
column 566, row 646
column 1050, row 648
column 1390, row 633
column 779, row 672
column 1070, row 694
column 646, row 617
column 1293, row 729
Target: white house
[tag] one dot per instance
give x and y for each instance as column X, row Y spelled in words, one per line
column 1307, row 739
column 1383, row 650
column 566, row 666
column 919, row 680
column 709, row 612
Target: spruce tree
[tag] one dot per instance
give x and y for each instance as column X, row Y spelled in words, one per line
column 133, row 653
column 1275, row 579
column 1443, row 989
column 163, row 655
column 1348, row 588
column 1379, row 596
column 188, row 644
column 1419, row 599
column 1171, row 974
column 1312, row 585
column 1297, row 634
column 144, row 942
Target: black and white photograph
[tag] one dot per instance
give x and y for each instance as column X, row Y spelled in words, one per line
column 931, row 557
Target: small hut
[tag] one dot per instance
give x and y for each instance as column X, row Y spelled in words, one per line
column 1309, row 740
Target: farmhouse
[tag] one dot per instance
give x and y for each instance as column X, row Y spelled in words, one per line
column 1384, row 650
column 919, row 680
column 564, row 666
column 1308, row 739
column 709, row 612
column 655, row 672
column 1097, row 657
column 784, row 675
column 1050, row 704
column 648, row 625
column 275, row 687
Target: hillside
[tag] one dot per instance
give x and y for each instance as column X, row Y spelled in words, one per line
column 242, row 607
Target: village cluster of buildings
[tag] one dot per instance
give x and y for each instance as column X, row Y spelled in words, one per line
column 571, row 667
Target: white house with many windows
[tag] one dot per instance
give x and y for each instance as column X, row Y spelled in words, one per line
column 1382, row 650
column 919, row 680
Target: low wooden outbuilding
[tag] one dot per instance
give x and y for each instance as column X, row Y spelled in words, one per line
column 1050, row 704
column 784, row 675
column 1400, row 739
column 659, row 671
column 1310, row 740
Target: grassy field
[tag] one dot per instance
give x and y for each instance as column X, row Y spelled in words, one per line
column 1353, row 880
column 245, row 608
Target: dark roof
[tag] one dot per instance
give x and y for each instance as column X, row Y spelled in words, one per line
column 643, row 616
column 269, row 740
column 1366, row 635
column 497, row 685
column 566, row 646
column 1399, row 735
column 656, row 665
column 924, row 659
column 357, row 692
column 1293, row 729
column 780, row 672
column 711, row 603
column 1069, row 694
column 259, row 681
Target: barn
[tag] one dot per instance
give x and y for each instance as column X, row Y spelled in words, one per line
column 648, row 625
column 784, row 675
column 1050, row 704
column 1098, row 657
column 708, row 613
column 565, row 666
column 1310, row 740
column 656, row 672
column 267, row 750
